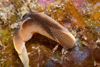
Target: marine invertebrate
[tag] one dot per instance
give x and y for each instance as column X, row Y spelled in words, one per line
column 44, row 25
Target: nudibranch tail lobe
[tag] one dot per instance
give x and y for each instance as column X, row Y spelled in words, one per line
column 24, row 57
column 18, row 41
column 19, row 45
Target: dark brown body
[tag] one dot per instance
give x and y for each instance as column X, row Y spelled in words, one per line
column 44, row 25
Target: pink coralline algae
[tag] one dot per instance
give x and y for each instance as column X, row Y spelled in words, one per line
column 96, row 5
column 81, row 5
column 45, row 3
column 78, row 4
